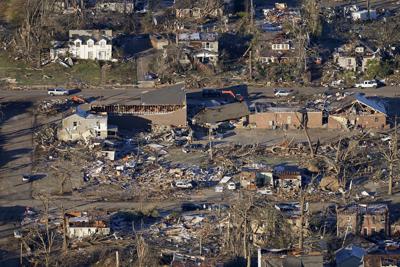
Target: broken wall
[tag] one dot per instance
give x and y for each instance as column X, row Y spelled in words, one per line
column 373, row 121
column 270, row 120
column 144, row 121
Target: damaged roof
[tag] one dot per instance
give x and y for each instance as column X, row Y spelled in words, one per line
column 175, row 95
column 222, row 113
column 375, row 104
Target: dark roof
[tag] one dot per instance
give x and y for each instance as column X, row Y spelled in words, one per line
column 222, row 113
column 175, row 95
column 350, row 251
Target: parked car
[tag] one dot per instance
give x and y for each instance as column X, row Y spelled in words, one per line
column 282, row 92
column 183, row 184
column 57, row 91
column 367, row 84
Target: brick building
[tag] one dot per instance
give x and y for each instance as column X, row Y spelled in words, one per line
column 284, row 117
column 359, row 112
column 363, row 219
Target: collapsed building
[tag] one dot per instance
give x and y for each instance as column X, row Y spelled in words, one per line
column 198, row 47
column 363, row 219
column 197, row 9
column 359, row 112
column 84, row 125
column 80, row 225
column 288, row 257
column 164, row 107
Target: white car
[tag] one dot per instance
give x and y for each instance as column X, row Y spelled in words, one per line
column 183, row 184
column 367, row 84
column 57, row 91
column 283, row 92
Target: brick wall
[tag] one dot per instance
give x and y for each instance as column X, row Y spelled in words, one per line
column 267, row 120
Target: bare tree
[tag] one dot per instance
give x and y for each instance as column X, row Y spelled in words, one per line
column 391, row 157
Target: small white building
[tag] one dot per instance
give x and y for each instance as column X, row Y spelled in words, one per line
column 84, row 126
column 81, row 227
column 90, row 44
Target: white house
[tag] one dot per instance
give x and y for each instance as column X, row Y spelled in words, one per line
column 90, row 44
column 84, row 126
column 82, row 226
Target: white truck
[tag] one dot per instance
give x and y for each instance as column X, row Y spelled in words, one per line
column 57, row 91
column 367, row 84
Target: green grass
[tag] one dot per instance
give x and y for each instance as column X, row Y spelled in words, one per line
column 54, row 74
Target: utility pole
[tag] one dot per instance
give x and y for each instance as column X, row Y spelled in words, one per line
column 210, row 141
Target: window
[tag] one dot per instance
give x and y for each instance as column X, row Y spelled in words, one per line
column 90, row 55
column 365, row 231
column 75, row 123
column 376, row 119
column 78, row 43
column 102, row 43
column 349, row 61
column 90, row 43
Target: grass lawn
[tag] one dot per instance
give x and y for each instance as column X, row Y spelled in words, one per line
column 54, row 74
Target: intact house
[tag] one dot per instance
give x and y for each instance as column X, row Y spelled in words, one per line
column 85, row 44
column 360, row 112
column 185, row 9
column 119, row 6
column 266, row 116
column 80, row 225
column 355, row 56
column 199, row 46
column 363, row 219
column 276, row 49
column 84, row 125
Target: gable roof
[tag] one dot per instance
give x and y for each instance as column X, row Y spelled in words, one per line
column 374, row 104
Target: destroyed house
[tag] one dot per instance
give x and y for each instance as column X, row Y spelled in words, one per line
column 191, row 9
column 355, row 56
column 363, row 219
column 84, row 125
column 201, row 46
column 359, row 112
column 90, row 44
column 80, row 225
column 383, row 256
column 287, row 178
column 268, row 117
column 253, row 178
column 291, row 214
column 278, row 49
column 288, row 258
column 164, row 107
column 119, row 6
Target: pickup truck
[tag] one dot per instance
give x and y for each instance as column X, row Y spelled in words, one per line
column 283, row 92
column 367, row 84
column 57, row 91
